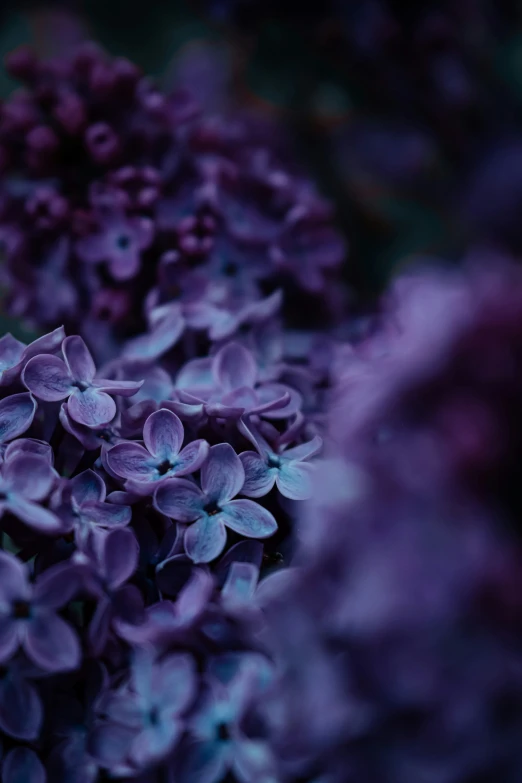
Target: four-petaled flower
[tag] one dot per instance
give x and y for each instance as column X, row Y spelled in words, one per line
column 51, row 379
column 28, row 616
column 119, row 242
column 85, row 511
column 285, row 467
column 211, row 509
column 162, row 456
column 227, row 384
column 142, row 718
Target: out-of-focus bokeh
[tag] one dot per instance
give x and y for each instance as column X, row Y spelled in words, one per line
column 408, row 115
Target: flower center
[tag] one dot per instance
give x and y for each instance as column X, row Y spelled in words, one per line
column 273, row 461
column 81, row 385
column 212, row 508
column 154, row 716
column 164, row 467
column 21, row 610
column 223, row 732
column 123, row 242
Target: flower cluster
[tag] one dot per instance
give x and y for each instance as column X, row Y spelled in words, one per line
column 133, row 537
column 117, row 200
column 406, row 587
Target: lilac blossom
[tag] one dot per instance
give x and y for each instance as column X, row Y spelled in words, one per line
column 212, row 509
column 285, row 467
column 14, row 354
column 217, row 742
column 120, row 241
column 142, row 719
column 88, row 402
column 227, row 383
column 29, row 619
column 21, row 710
column 161, row 457
column 84, row 510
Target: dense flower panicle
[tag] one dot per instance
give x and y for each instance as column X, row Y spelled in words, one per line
column 406, row 590
column 113, row 195
column 128, row 544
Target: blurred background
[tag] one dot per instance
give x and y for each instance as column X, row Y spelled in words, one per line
column 408, row 115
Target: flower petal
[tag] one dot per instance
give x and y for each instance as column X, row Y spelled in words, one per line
column 234, row 367
column 120, row 556
column 119, row 388
column 271, row 393
column 51, row 643
column 47, row 377
column 249, row 519
column 88, row 487
column 174, row 681
column 205, row 762
column 78, row 359
column 205, row 539
column 13, row 578
column 191, row 458
column 47, row 343
column 9, row 640
column 107, row 515
column 163, row 434
column 57, row 585
column 110, row 744
column 294, row 480
column 16, row 415
column 155, row 743
column 161, row 339
column 34, row 516
column 131, row 461
column 179, row 499
column 21, row 712
column 259, row 478
column 30, row 476
column 305, row 450
column 222, row 475
column 91, row 407
column 240, row 584
column 22, row 765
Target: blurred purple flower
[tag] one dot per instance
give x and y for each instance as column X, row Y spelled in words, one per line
column 22, row 765
column 120, row 242
column 28, row 616
column 84, row 510
column 142, row 719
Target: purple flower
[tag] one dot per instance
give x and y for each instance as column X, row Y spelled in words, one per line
column 211, row 509
column 143, row 718
column 285, row 467
column 21, row 711
column 14, row 355
column 88, row 401
column 26, row 479
column 162, row 456
column 120, row 242
column 16, row 415
column 28, row 616
column 85, row 511
column 115, row 559
column 22, row 765
column 217, row 742
column 228, row 382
